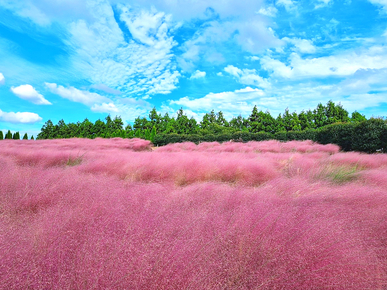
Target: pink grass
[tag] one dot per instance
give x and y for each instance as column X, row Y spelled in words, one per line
column 208, row 216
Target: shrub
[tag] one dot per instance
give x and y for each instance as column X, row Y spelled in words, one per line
column 341, row 134
column 281, row 136
column 369, row 136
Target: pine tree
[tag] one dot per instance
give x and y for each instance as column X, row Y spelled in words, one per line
column 16, row 136
column 25, row 137
column 8, row 135
column 153, row 134
column 1, row 135
column 254, row 122
column 32, row 137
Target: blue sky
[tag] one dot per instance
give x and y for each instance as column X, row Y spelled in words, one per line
column 70, row 59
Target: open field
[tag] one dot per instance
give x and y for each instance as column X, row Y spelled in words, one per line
column 113, row 214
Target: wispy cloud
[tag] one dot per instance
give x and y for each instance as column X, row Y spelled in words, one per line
column 19, row 117
column 269, row 11
column 344, row 64
column 78, row 96
column 2, row 79
column 301, row 45
column 232, row 102
column 106, row 89
column 322, row 3
column 381, row 3
column 28, row 93
column 287, row 4
column 105, row 108
column 137, row 60
column 247, row 76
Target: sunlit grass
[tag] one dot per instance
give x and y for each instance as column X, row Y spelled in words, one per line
column 111, row 214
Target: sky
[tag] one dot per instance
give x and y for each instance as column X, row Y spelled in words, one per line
column 71, row 60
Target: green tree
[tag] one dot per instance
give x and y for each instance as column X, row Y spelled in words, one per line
column 16, row 136
column 357, row 117
column 86, row 129
column 280, row 127
column 306, row 120
column 164, row 123
column 62, row 129
column 254, row 121
column 25, row 137
column 239, row 123
column 155, row 119
column 171, row 126
column 153, row 134
column 32, row 137
column 99, row 128
column 141, row 123
column 118, row 124
column 1, row 135
column 205, row 123
column 319, row 116
column 74, row 129
column 220, row 120
column 8, row 135
column 129, row 133
column 335, row 113
column 291, row 121
column 261, row 122
column 182, row 122
column 47, row 131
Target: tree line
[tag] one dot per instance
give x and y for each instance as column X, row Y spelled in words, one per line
column 14, row 136
column 211, row 124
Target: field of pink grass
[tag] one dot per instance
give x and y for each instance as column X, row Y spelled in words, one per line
column 113, row 214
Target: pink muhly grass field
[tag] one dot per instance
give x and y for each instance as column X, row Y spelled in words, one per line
column 113, row 214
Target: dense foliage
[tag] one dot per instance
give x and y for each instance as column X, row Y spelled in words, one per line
column 212, row 124
column 325, row 124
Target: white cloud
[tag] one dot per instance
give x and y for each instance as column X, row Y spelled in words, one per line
column 44, row 12
column 231, row 103
column 255, row 36
column 322, row 3
column 142, row 65
column 28, row 93
column 78, row 96
column 301, row 45
column 198, row 75
column 269, row 11
column 288, row 4
column 147, row 27
column 343, row 64
column 199, row 8
column 252, row 33
column 19, row 117
column 247, row 76
column 382, row 3
column 2, row 79
column 104, row 108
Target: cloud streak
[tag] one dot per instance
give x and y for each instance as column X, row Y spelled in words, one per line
column 28, row 93
column 75, row 95
column 19, row 117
